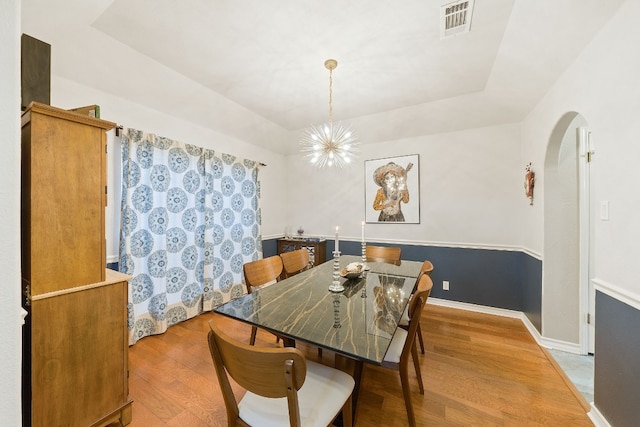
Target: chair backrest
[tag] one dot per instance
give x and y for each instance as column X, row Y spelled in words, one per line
column 416, row 304
column 427, row 267
column 295, row 261
column 272, row 372
column 388, row 254
column 262, row 271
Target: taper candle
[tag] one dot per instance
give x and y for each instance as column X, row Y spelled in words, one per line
column 337, row 240
column 363, row 231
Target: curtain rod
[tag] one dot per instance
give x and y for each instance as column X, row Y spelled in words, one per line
column 119, row 131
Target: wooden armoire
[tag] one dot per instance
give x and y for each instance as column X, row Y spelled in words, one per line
column 75, row 338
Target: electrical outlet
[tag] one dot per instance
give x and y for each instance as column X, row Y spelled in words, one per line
column 445, row 285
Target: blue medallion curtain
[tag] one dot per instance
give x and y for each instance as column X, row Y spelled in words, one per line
column 190, row 219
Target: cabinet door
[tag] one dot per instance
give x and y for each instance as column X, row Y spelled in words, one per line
column 79, row 356
column 63, row 199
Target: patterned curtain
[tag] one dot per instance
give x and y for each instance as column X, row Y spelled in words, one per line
column 190, row 220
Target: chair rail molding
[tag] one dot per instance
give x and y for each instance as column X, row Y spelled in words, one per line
column 630, row 298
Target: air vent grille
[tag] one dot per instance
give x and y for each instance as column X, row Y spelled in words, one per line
column 455, row 18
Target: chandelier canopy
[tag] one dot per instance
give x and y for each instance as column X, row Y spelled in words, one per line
column 330, row 144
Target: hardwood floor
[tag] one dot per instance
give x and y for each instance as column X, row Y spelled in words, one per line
column 478, row 370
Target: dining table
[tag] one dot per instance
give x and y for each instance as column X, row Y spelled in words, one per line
column 358, row 322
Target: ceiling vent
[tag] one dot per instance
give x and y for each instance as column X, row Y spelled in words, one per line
column 455, row 18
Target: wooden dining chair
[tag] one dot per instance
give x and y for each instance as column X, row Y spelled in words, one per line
column 403, row 346
column 283, row 388
column 295, row 262
column 388, row 254
column 427, row 268
column 260, row 273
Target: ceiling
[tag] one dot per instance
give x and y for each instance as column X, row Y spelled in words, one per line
column 243, row 66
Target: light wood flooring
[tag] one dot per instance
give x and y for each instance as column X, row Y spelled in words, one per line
column 478, row 370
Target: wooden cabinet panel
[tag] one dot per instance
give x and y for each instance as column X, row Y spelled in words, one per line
column 63, row 198
column 79, row 355
column 317, row 249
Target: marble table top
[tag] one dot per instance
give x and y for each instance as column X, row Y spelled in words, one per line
column 358, row 322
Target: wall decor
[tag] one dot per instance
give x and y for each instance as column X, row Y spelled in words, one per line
column 392, row 190
column 529, row 181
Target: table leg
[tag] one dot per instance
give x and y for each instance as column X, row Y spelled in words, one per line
column 357, row 377
column 354, row 368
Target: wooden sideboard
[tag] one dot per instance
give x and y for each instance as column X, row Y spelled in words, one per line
column 317, row 249
column 75, row 338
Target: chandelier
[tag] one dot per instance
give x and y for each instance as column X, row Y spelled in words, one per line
column 330, row 144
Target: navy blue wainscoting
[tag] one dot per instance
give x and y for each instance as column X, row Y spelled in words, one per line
column 532, row 290
column 503, row 279
column 617, row 361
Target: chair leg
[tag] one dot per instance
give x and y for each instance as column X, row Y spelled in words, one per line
column 419, row 334
column 347, row 413
column 406, row 392
column 254, row 330
column 416, row 364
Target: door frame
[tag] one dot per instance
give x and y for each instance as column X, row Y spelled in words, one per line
column 587, row 291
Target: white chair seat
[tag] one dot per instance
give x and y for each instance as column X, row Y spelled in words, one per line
column 320, row 399
column 396, row 346
column 404, row 320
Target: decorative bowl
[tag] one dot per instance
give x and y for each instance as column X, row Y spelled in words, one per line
column 352, row 271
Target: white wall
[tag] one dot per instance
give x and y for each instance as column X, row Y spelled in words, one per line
column 10, row 309
column 67, row 94
column 603, row 86
column 471, row 191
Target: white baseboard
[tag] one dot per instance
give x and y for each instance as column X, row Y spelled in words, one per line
column 567, row 347
column 475, row 307
column 597, row 418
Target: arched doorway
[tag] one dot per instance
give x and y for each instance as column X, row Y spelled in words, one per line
column 567, row 242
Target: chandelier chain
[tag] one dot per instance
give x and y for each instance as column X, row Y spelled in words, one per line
column 330, row 96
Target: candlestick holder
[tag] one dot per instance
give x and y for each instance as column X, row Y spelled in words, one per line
column 364, row 254
column 336, row 311
column 336, row 286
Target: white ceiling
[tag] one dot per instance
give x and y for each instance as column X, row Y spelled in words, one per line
column 264, row 59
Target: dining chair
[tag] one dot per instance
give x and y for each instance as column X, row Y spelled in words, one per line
column 283, row 387
column 295, row 262
column 388, row 254
column 260, row 273
column 403, row 346
column 427, row 268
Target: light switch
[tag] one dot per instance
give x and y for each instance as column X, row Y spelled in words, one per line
column 604, row 210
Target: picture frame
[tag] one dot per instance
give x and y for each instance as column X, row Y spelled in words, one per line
column 392, row 190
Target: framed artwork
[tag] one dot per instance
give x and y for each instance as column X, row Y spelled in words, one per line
column 392, row 190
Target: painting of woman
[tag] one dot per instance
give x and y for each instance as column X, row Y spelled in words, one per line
column 392, row 180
